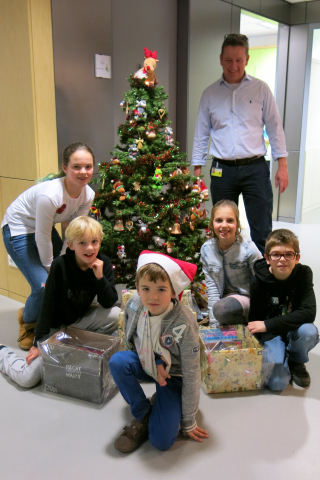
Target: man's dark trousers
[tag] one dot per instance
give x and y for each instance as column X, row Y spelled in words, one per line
column 253, row 181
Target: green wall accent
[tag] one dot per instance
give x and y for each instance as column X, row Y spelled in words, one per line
column 262, row 64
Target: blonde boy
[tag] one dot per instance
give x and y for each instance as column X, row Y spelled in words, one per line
column 73, row 282
column 283, row 309
column 163, row 341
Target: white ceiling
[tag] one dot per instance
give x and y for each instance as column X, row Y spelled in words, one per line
column 252, row 26
column 299, row 1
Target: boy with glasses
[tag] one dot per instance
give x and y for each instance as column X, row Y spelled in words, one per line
column 283, row 309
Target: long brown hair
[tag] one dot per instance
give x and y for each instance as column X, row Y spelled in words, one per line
column 221, row 204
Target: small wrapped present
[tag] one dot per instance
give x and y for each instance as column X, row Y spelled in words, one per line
column 231, row 360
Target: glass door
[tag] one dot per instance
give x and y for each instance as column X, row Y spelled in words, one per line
column 309, row 173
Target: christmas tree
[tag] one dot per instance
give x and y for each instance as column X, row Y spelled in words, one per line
column 148, row 199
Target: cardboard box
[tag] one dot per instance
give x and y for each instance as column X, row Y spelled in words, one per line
column 231, row 370
column 76, row 363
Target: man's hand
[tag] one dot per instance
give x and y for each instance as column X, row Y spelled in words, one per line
column 256, row 327
column 198, row 434
column 34, row 352
column 282, row 175
column 197, row 170
column 97, row 267
column 162, row 375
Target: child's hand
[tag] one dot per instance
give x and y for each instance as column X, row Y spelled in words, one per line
column 256, row 327
column 197, row 434
column 162, row 375
column 34, row 352
column 97, row 267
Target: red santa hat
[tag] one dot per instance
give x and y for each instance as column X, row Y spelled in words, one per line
column 180, row 273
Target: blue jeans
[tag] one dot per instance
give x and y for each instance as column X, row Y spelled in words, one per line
column 165, row 416
column 24, row 252
column 253, row 181
column 296, row 347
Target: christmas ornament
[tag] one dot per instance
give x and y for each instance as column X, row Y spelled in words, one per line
column 176, row 229
column 129, row 225
column 151, row 134
column 94, row 212
column 133, row 152
column 161, row 112
column 169, row 139
column 144, row 233
column 139, row 111
column 118, row 188
column 140, row 143
column 196, row 188
column 185, row 170
column 136, row 186
column 121, row 253
column 177, row 172
column 196, row 214
column 169, row 246
column 119, row 225
column 204, row 194
column 157, row 177
column 115, row 161
column 149, row 66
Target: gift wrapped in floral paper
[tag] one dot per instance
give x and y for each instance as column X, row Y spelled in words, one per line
column 231, row 359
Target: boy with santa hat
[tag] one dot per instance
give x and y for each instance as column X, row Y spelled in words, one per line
column 163, row 341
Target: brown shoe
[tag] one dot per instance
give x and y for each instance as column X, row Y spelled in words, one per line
column 132, row 437
column 26, row 332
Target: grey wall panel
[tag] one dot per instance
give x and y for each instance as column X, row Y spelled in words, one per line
column 278, row 10
column 287, row 202
column 298, row 13
column 295, row 85
column 84, row 103
column 137, row 25
column 252, row 5
column 235, row 19
column 280, row 95
column 313, row 12
column 182, row 73
column 209, row 21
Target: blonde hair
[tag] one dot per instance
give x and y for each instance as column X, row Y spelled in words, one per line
column 80, row 226
column 282, row 236
column 153, row 271
column 221, row 204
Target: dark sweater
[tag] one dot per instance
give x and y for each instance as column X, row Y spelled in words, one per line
column 283, row 305
column 69, row 292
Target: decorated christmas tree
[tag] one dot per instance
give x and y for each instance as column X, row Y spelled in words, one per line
column 148, row 199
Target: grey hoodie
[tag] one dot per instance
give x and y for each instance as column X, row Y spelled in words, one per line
column 180, row 336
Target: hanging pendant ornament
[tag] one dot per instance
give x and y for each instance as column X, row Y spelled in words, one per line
column 161, row 112
column 169, row 246
column 144, row 233
column 129, row 225
column 151, row 134
column 94, row 213
column 136, row 186
column 157, row 177
column 119, row 225
column 139, row 143
column 127, row 108
column 121, row 253
column 176, row 229
column 103, row 181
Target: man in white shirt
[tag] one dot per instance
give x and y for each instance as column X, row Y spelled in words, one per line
column 233, row 112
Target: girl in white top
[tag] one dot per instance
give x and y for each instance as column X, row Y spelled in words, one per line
column 28, row 226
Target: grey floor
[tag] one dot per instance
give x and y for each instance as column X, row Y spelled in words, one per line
column 253, row 436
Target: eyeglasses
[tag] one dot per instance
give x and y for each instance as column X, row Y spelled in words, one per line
column 286, row 256
column 238, row 36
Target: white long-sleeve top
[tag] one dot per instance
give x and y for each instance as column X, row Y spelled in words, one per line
column 40, row 207
column 234, row 119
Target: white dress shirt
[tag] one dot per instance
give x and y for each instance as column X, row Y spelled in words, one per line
column 235, row 118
